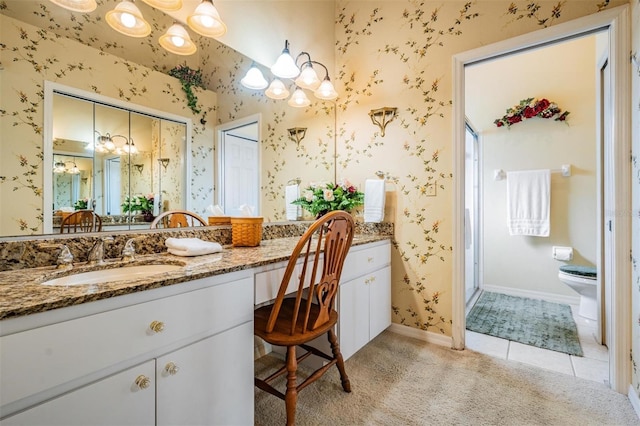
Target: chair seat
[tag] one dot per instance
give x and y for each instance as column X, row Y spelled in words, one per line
column 281, row 334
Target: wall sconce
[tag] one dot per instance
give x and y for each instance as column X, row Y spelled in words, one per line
column 383, row 116
column 302, row 74
column 296, row 134
column 164, row 162
column 139, row 167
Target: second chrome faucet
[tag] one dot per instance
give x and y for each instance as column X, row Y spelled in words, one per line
column 96, row 253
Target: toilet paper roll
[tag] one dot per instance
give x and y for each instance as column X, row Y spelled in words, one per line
column 563, row 253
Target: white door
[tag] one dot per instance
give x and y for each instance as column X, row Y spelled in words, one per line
column 609, row 208
column 239, row 166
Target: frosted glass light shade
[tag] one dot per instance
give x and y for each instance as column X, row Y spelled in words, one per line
column 83, row 6
column 166, row 5
column 299, row 99
column 254, row 79
column 308, row 78
column 205, row 20
column 326, row 91
column 176, row 40
column 277, row 90
column 285, row 66
column 127, row 19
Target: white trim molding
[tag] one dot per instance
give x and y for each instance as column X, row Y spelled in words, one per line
column 616, row 22
column 635, row 401
column 425, row 336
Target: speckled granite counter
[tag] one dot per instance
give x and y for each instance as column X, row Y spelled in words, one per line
column 21, row 291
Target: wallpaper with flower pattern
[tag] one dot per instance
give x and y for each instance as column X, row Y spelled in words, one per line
column 388, row 53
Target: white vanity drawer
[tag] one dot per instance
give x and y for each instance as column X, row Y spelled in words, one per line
column 42, row 358
column 365, row 259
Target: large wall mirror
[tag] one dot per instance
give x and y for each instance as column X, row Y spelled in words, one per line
column 110, row 156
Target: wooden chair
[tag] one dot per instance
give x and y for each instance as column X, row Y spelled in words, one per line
column 177, row 219
column 295, row 321
column 81, row 221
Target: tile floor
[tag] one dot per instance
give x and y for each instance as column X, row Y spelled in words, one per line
column 593, row 366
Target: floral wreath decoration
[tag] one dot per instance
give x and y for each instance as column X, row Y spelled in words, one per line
column 531, row 107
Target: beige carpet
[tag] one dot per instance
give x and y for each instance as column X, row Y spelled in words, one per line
column 398, row 380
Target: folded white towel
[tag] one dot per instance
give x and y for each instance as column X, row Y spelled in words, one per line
column 191, row 246
column 292, row 193
column 374, row 198
column 529, row 202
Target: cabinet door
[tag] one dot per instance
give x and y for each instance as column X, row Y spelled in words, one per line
column 353, row 320
column 209, row 382
column 115, row 400
column 379, row 301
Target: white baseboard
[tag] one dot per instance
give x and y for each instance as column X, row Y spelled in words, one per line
column 635, row 401
column 426, row 336
column 549, row 297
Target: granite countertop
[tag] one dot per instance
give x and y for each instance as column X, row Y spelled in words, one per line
column 21, row 291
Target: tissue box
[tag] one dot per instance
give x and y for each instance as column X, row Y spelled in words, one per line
column 246, row 231
column 219, row 220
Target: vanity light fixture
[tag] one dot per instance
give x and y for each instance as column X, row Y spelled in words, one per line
column 206, row 21
column 105, row 144
column 165, row 5
column 296, row 134
column 127, row 19
column 383, row 116
column 164, row 162
column 70, row 167
column 59, row 167
column 254, row 79
column 83, row 6
column 129, row 147
column 176, row 40
column 305, row 76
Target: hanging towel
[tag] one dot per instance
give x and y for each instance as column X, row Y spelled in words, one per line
column 292, row 193
column 528, row 202
column 191, row 246
column 374, row 197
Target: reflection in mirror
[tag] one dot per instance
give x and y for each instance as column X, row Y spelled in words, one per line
column 127, row 166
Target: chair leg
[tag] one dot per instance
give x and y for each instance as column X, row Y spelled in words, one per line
column 335, row 349
column 291, row 396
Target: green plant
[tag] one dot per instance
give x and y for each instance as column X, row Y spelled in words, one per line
column 319, row 198
column 189, row 78
column 138, row 203
column 528, row 108
column 81, row 204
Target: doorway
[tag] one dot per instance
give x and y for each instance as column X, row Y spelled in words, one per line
column 615, row 21
column 238, row 153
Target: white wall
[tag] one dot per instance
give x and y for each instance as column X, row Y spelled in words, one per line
column 564, row 74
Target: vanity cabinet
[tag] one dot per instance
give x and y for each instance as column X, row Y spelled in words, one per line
column 184, row 356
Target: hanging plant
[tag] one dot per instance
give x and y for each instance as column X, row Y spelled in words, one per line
column 531, row 107
column 189, row 78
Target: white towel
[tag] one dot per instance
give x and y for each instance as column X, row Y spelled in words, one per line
column 529, row 202
column 191, row 246
column 292, row 193
column 374, row 197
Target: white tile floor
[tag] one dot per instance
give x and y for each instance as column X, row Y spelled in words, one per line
column 593, row 366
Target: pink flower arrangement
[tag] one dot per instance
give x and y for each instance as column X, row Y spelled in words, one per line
column 531, row 107
column 319, row 198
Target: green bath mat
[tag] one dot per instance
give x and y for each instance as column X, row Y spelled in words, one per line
column 529, row 321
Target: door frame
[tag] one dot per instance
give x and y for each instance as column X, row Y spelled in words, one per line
column 219, row 143
column 616, row 21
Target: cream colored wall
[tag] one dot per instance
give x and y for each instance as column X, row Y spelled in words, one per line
column 564, row 74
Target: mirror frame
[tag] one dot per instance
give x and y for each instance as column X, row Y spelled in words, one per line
column 50, row 88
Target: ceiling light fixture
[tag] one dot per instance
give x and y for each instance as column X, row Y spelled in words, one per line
column 127, row 19
column 83, row 6
column 285, row 66
column 299, row 99
column 277, row 90
column 165, row 5
column 206, row 21
column 254, row 79
column 176, row 40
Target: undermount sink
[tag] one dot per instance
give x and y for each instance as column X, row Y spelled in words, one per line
column 114, row 274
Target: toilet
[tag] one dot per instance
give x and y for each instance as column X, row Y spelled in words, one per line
column 582, row 279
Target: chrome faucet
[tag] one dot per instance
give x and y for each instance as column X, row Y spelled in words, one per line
column 96, row 253
column 129, row 250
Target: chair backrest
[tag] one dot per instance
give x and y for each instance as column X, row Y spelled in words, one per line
column 177, row 219
column 81, row 221
column 323, row 248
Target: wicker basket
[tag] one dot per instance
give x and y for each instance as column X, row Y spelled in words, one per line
column 246, row 231
column 219, row 220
